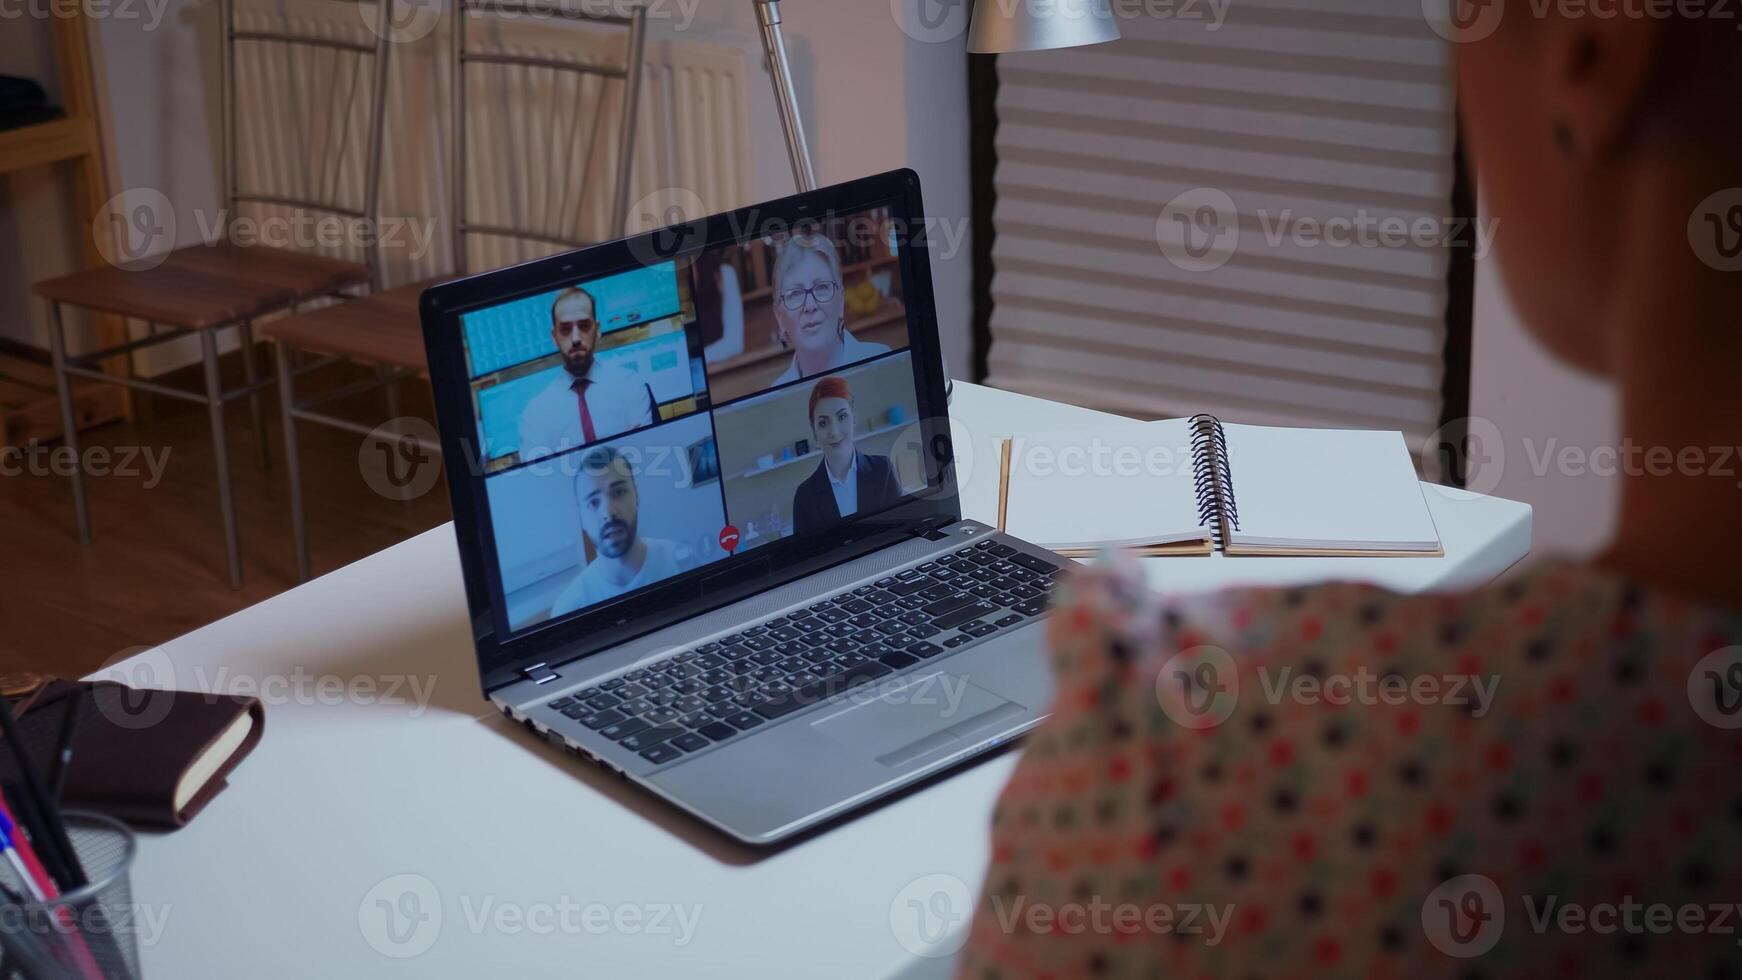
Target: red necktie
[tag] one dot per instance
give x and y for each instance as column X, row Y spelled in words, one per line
column 586, row 416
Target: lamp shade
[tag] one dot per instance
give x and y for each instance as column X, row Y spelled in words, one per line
column 1005, row 26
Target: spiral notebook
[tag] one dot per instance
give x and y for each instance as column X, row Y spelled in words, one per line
column 1197, row 486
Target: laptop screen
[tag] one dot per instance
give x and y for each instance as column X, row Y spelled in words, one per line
column 649, row 423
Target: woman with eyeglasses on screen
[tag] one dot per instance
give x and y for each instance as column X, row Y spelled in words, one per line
column 810, row 310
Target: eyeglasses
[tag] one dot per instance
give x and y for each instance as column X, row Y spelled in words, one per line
column 822, row 292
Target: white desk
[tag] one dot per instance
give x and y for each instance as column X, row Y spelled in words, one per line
column 275, row 878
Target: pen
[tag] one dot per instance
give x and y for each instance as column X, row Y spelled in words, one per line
column 23, row 816
column 1003, row 482
column 43, row 889
column 34, row 799
column 7, row 828
column 63, row 757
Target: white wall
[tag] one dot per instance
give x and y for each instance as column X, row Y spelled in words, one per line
column 1538, row 406
column 874, row 99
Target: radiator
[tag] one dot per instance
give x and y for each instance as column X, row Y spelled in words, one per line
column 530, row 131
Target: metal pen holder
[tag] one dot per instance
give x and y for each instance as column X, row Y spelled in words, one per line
column 88, row 933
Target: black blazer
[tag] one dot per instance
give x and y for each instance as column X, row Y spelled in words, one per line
column 813, row 503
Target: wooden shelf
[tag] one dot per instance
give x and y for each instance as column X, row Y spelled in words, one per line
column 45, row 143
column 30, row 411
column 27, row 413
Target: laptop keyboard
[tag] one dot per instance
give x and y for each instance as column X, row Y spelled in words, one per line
column 723, row 688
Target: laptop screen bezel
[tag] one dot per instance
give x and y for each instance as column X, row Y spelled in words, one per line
column 504, row 656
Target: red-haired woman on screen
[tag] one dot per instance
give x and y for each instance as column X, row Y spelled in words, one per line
column 847, row 481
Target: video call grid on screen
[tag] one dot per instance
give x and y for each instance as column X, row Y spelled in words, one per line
column 652, row 381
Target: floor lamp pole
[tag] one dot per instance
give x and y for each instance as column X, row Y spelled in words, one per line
column 785, row 99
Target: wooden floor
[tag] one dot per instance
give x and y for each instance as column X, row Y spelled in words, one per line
column 156, row 567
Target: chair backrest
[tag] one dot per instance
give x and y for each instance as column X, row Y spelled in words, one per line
column 565, row 129
column 315, row 81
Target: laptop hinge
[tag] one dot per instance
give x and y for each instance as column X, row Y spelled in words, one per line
column 932, row 530
column 540, row 673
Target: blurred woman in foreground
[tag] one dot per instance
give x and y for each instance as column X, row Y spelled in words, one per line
column 1584, row 818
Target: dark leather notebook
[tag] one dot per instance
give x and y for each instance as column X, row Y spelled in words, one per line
column 147, row 757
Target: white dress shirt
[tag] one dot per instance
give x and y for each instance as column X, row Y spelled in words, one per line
column 846, row 488
column 591, row 587
column 852, row 351
column 617, row 400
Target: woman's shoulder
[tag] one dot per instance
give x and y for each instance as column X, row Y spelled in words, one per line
column 1554, row 609
column 819, row 476
column 854, row 349
column 880, row 470
column 1254, row 749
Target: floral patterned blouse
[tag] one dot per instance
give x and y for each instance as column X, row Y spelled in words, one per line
column 1538, row 779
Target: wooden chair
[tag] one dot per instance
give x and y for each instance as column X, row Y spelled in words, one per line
column 202, row 289
column 384, row 331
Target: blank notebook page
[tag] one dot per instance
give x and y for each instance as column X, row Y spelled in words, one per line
column 1327, row 489
column 1116, row 485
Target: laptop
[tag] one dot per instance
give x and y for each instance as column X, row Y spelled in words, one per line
column 706, row 507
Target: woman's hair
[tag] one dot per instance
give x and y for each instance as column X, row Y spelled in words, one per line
column 795, row 249
column 829, row 388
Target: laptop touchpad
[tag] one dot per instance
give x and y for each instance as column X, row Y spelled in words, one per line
column 898, row 725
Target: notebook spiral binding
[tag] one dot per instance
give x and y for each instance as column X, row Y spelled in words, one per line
column 1213, row 478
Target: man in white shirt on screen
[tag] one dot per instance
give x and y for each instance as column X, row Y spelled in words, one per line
column 589, row 401
column 610, row 518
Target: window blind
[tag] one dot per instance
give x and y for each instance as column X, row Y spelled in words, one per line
column 1238, row 210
